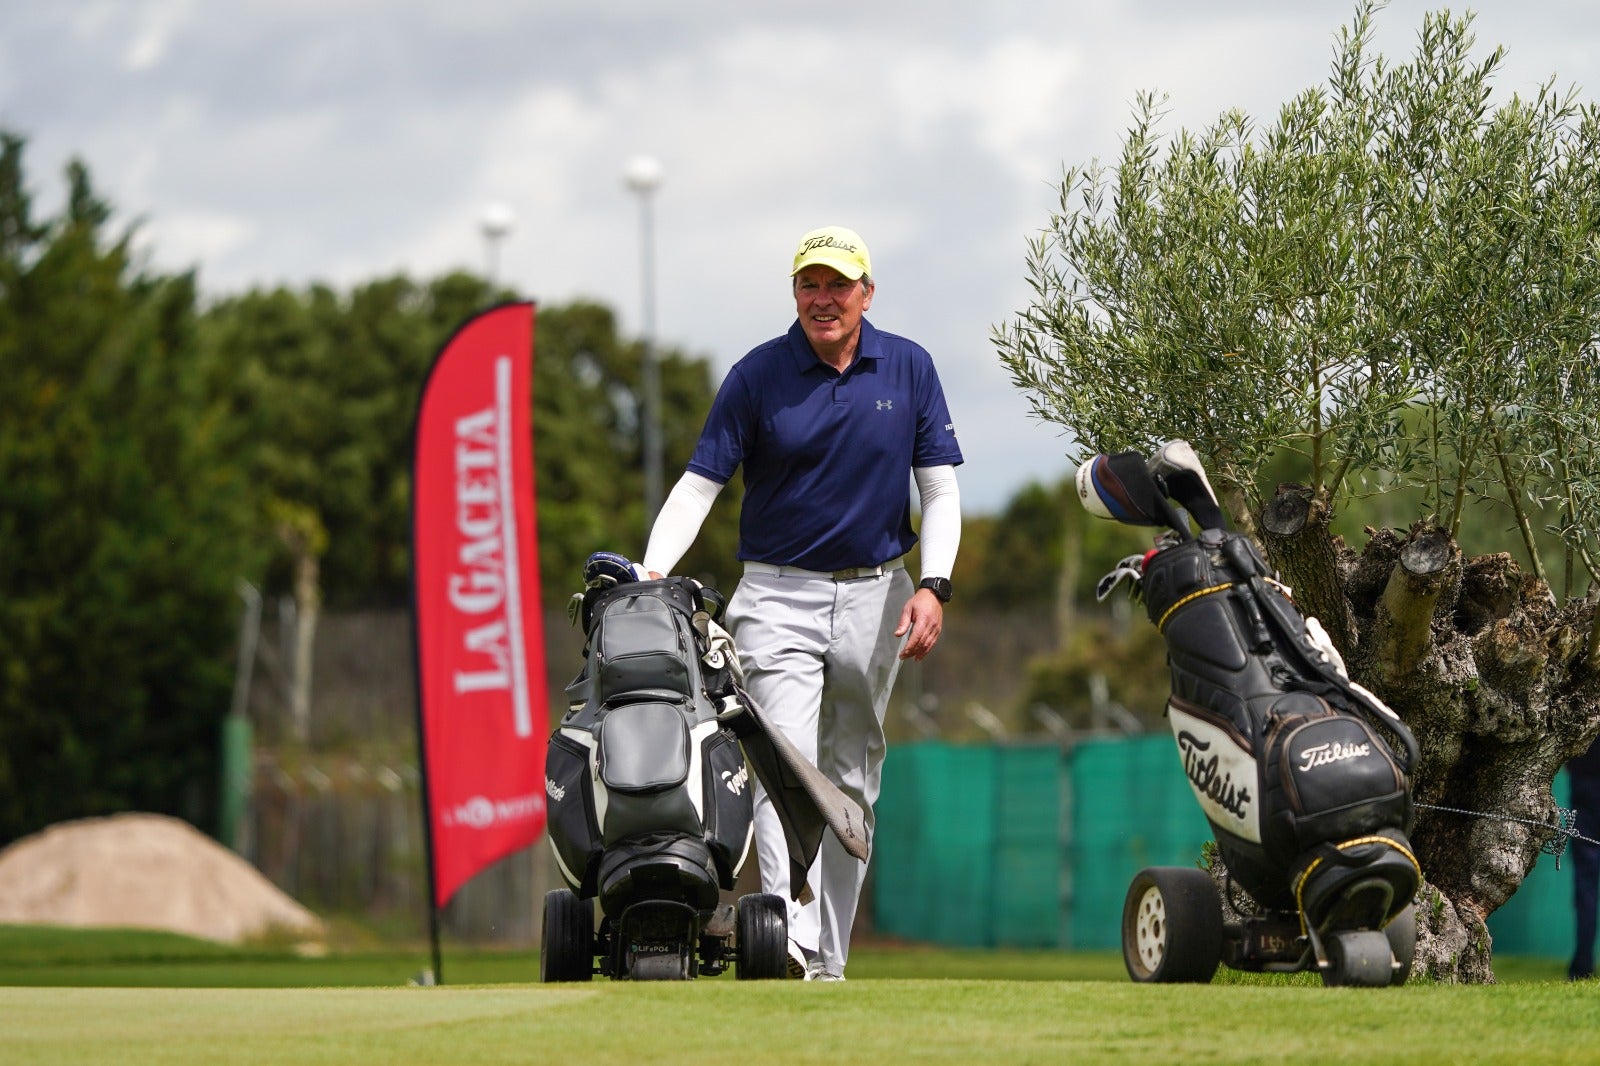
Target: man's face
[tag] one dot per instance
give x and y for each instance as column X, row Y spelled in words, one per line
column 830, row 305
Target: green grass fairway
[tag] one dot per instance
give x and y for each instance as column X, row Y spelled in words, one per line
column 860, row 1021
column 183, row 1001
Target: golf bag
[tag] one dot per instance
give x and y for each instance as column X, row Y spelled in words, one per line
column 663, row 798
column 648, row 777
column 1302, row 773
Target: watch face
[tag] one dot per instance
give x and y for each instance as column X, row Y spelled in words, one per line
column 939, row 586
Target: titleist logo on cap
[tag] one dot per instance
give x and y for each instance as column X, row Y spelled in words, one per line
column 813, row 243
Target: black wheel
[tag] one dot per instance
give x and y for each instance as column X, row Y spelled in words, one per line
column 567, row 948
column 1172, row 926
column 1402, row 934
column 1359, row 958
column 762, row 933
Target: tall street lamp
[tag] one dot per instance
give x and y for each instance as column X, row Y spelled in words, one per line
column 496, row 223
column 643, row 176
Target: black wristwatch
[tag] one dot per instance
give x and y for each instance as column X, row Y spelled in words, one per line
column 939, row 586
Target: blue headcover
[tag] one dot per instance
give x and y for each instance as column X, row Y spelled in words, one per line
column 608, row 569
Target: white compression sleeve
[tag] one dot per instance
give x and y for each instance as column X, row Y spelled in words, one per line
column 941, row 518
column 680, row 519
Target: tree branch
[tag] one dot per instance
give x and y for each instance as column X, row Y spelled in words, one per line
column 1515, row 499
column 1294, row 531
column 1410, row 598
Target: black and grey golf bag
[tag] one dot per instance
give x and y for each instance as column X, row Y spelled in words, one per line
column 649, row 794
column 649, row 785
column 661, row 788
column 1302, row 774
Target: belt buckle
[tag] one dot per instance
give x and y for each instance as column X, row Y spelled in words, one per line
column 855, row 573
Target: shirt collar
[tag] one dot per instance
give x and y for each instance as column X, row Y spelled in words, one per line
column 869, row 347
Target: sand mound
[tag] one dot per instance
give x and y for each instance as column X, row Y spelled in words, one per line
column 143, row 871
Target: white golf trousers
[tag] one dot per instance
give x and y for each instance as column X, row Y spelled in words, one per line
column 820, row 657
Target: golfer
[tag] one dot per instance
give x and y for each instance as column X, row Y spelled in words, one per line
column 830, row 422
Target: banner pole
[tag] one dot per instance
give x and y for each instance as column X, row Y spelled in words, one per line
column 422, row 755
column 427, row 845
column 416, row 666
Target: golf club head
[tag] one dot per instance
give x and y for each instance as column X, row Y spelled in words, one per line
column 1176, row 465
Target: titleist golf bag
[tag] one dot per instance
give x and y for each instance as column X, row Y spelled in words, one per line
column 649, row 789
column 1302, row 773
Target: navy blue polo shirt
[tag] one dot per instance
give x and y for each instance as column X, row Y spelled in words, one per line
column 827, row 457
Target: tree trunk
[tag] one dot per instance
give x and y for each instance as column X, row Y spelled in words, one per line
column 1294, row 532
column 308, row 600
column 1495, row 683
column 1067, row 578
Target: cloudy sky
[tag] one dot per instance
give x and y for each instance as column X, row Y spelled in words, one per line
column 290, row 141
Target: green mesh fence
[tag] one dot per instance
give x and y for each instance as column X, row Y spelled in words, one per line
column 1030, row 804
column 1132, row 808
column 1024, row 846
column 968, row 845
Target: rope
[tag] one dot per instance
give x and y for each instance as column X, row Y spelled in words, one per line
column 1565, row 829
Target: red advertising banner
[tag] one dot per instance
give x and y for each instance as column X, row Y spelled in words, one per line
column 482, row 703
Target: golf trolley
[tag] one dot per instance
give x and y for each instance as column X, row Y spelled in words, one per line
column 1302, row 774
column 649, row 795
column 649, row 778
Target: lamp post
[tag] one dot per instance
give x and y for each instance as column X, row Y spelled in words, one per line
column 643, row 176
column 497, row 220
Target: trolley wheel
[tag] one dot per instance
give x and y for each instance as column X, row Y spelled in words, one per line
column 762, row 937
column 1359, row 958
column 1402, row 935
column 1172, row 926
column 567, row 948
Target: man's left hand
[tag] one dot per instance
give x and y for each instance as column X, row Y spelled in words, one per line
column 923, row 618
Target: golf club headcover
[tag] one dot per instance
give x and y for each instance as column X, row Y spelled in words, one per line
column 1176, row 463
column 602, row 572
column 605, row 570
column 1119, row 487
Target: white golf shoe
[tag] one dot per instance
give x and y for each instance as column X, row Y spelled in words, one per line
column 816, row 972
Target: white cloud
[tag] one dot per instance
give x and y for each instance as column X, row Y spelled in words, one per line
column 156, row 22
column 297, row 140
column 196, row 236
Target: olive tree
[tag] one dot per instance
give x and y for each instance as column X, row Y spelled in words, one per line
column 1399, row 281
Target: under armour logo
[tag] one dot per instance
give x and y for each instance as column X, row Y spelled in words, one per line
column 885, row 405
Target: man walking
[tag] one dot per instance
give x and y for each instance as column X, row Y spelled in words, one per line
column 830, row 422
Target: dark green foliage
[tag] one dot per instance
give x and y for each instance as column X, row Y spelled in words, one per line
column 120, row 535
column 1042, row 546
column 587, row 453
column 323, row 392
column 153, row 454
column 1129, row 658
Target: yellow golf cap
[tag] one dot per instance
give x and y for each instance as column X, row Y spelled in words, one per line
column 834, row 246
